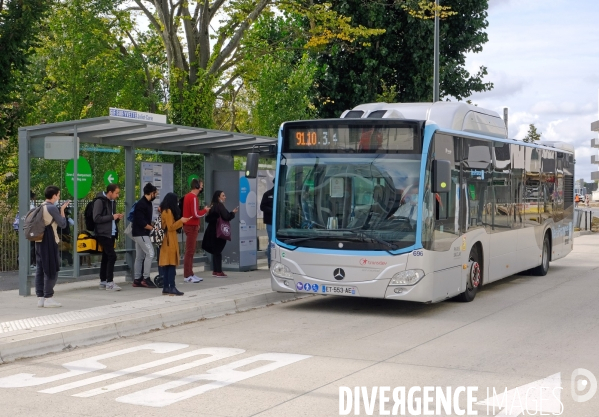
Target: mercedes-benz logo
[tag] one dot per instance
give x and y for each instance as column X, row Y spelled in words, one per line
column 339, row 274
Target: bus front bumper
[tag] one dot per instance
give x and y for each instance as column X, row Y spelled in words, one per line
column 380, row 288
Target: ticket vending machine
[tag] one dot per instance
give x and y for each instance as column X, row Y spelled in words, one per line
column 241, row 253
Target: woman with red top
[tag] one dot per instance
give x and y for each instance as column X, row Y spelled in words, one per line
column 192, row 228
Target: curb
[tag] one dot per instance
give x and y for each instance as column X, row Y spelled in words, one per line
column 43, row 341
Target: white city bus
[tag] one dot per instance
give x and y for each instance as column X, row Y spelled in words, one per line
column 419, row 202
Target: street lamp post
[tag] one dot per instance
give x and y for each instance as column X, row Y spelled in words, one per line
column 436, row 58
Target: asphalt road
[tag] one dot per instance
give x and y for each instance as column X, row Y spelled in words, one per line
column 294, row 359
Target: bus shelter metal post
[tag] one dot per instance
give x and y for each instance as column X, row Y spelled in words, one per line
column 76, row 262
column 130, row 198
column 24, row 201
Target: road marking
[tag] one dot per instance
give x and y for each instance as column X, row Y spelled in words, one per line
column 219, row 377
column 84, row 366
column 157, row 396
column 215, row 355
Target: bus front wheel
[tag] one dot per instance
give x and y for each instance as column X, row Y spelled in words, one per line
column 475, row 276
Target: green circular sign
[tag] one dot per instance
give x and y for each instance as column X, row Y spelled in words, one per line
column 191, row 177
column 111, row 177
column 84, row 177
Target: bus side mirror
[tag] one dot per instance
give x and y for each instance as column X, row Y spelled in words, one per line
column 441, row 176
column 251, row 166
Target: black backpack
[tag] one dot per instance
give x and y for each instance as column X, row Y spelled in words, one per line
column 88, row 214
column 181, row 200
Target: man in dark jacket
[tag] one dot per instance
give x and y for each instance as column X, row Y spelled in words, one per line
column 140, row 231
column 266, row 205
column 106, row 221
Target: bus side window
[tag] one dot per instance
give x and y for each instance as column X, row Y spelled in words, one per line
column 441, row 211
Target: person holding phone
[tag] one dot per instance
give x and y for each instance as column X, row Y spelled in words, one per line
column 170, row 216
column 211, row 243
column 46, row 250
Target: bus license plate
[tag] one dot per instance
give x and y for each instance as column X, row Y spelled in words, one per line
column 338, row 290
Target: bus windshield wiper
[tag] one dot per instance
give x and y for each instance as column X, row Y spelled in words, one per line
column 375, row 238
column 303, row 239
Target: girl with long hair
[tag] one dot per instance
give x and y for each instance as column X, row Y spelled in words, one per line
column 211, row 243
column 169, row 251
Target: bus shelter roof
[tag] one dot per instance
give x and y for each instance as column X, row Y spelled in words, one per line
column 118, row 131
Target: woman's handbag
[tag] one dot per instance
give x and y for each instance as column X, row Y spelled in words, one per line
column 157, row 233
column 223, row 229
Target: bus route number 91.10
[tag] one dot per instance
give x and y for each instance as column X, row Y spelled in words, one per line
column 418, row 253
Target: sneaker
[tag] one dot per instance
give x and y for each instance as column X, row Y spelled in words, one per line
column 215, row 274
column 148, row 283
column 222, row 275
column 102, row 285
column 40, row 301
column 50, row 303
column 111, row 286
column 139, row 283
column 193, row 279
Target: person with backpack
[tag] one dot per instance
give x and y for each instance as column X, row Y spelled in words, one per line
column 171, row 221
column 48, row 218
column 192, row 228
column 105, row 222
column 211, row 242
column 140, row 233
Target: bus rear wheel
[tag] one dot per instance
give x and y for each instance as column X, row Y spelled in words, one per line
column 542, row 269
column 475, row 276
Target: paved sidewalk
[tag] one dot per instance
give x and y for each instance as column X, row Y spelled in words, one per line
column 90, row 315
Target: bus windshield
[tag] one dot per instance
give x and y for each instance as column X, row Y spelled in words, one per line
column 348, row 201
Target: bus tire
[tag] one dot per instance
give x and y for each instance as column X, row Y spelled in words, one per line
column 475, row 276
column 542, row 269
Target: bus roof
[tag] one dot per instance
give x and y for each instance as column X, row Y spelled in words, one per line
column 449, row 116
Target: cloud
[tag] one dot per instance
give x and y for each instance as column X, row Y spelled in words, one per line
column 504, row 85
column 497, row 3
column 565, row 108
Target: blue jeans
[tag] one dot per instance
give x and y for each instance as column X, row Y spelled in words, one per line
column 169, row 272
column 269, row 232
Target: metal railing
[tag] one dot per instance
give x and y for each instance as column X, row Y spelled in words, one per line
column 583, row 219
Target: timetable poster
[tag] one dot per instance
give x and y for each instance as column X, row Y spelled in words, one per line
column 161, row 176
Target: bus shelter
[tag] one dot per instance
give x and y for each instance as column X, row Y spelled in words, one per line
column 218, row 148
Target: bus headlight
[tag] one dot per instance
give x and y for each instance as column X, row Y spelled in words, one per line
column 281, row 271
column 409, row 277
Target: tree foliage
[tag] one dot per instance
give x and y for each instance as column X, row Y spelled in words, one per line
column 401, row 59
column 532, row 134
column 204, row 65
column 19, row 26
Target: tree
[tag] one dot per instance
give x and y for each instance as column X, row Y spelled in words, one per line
column 201, row 70
column 277, row 85
column 19, row 26
column 532, row 134
column 399, row 63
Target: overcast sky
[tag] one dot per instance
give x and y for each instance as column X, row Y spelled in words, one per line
column 543, row 57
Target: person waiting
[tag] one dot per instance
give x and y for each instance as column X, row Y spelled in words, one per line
column 192, row 228
column 141, row 228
